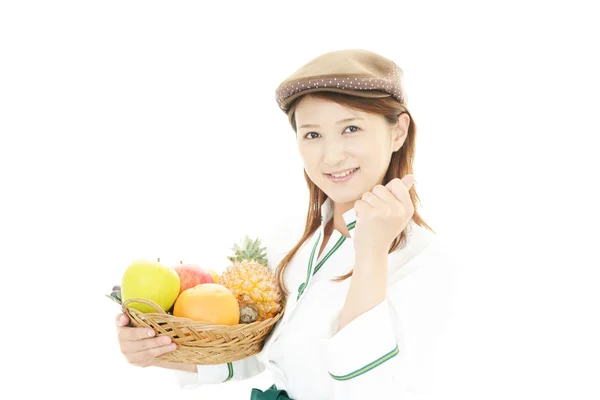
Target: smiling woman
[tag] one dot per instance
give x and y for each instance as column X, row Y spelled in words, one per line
column 374, row 137
column 342, row 144
column 367, row 284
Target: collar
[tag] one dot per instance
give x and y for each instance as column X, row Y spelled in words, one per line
column 327, row 213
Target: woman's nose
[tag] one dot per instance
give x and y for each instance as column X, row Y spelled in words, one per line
column 334, row 153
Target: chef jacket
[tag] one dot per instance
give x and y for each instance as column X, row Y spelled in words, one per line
column 388, row 351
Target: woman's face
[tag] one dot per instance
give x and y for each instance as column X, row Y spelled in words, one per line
column 333, row 139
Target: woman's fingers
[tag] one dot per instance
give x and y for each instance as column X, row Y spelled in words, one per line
column 122, row 320
column 147, row 344
column 143, row 357
column 130, row 333
column 374, row 200
column 133, row 340
column 138, row 345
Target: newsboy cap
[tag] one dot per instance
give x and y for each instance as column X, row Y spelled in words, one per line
column 355, row 72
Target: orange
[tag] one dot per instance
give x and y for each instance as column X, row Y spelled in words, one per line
column 209, row 302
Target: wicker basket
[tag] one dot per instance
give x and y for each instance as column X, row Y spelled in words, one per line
column 200, row 342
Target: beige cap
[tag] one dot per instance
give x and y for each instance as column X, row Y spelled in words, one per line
column 356, row 72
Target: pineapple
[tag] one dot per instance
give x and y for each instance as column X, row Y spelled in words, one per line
column 252, row 282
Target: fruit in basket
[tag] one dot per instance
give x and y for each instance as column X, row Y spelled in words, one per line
column 191, row 275
column 150, row 280
column 252, row 282
column 115, row 295
column 214, row 275
column 208, row 302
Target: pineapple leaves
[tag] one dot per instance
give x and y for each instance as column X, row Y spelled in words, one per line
column 249, row 250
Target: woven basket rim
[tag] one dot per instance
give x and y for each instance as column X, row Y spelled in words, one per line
column 201, row 342
column 189, row 322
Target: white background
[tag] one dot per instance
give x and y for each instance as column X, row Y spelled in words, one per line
column 149, row 129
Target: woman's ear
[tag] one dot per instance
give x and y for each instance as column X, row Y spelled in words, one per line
column 400, row 131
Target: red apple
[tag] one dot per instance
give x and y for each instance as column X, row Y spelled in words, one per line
column 191, row 275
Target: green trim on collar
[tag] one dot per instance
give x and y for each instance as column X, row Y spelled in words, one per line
column 301, row 290
column 309, row 270
column 367, row 367
column 341, row 240
column 333, row 250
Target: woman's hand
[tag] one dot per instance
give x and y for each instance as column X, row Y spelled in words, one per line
column 138, row 345
column 382, row 214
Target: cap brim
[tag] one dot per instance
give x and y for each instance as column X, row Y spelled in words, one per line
column 372, row 94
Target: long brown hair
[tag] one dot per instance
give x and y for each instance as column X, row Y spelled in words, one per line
column 401, row 164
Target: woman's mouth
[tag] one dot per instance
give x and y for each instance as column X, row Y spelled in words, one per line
column 344, row 176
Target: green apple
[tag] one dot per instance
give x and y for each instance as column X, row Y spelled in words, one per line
column 150, row 280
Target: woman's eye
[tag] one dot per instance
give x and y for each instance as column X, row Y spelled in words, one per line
column 308, row 135
column 313, row 135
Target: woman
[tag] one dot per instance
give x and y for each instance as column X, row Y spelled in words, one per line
column 366, row 284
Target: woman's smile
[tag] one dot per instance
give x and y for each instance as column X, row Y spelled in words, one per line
column 344, row 176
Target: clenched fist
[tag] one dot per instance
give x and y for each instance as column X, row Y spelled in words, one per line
column 382, row 214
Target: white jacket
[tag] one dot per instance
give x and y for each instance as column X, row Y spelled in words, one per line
column 388, row 351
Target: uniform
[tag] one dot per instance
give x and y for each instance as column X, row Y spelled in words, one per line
column 387, row 352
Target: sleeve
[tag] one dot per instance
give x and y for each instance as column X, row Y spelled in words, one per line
column 390, row 350
column 221, row 373
column 272, row 239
